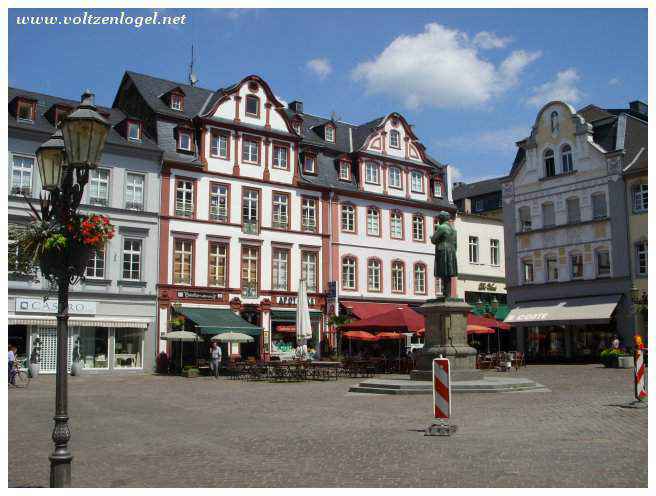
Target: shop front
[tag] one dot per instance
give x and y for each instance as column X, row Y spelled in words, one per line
column 283, row 332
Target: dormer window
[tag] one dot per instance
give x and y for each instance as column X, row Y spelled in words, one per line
column 395, row 139
column 26, row 111
column 329, row 133
column 437, row 188
column 252, row 106
column 344, row 171
column 177, row 102
column 134, row 131
column 310, row 164
column 297, row 126
column 60, row 113
column 185, row 140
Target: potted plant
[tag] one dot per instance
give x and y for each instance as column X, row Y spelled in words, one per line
column 76, row 365
column 35, row 358
column 610, row 357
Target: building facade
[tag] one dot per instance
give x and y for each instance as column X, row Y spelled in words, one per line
column 112, row 309
column 565, row 221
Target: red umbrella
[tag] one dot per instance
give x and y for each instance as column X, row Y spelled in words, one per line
column 389, row 335
column 473, row 319
column 401, row 319
column 360, row 336
column 477, row 329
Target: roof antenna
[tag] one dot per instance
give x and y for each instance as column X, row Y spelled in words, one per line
column 193, row 79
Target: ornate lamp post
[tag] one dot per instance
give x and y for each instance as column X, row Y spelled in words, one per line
column 64, row 162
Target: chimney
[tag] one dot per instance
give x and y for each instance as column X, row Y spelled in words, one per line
column 638, row 106
column 296, row 106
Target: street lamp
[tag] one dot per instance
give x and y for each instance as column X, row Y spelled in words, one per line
column 635, row 295
column 74, row 149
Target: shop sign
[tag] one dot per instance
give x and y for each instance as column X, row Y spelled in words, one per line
column 38, row 305
column 200, row 295
column 527, row 317
column 293, row 300
column 489, row 286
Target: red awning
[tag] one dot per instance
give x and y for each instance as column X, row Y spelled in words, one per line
column 363, row 310
column 360, row 336
column 477, row 329
column 389, row 335
column 473, row 319
column 399, row 319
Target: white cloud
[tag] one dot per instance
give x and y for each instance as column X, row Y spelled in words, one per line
column 489, row 41
column 439, row 67
column 321, row 67
column 563, row 87
column 497, row 140
column 614, row 82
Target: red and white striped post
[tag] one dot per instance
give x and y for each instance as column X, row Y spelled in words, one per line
column 441, row 388
column 639, row 370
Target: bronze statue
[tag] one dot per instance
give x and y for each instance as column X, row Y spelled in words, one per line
column 445, row 240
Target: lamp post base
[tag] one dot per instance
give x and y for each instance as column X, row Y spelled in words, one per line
column 60, row 470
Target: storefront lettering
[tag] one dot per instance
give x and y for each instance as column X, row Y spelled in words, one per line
column 293, row 300
column 527, row 317
column 37, row 305
column 200, row 295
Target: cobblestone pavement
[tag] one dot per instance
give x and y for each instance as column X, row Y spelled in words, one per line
column 145, row 431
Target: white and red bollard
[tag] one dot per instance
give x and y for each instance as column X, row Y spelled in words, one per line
column 639, row 370
column 441, row 399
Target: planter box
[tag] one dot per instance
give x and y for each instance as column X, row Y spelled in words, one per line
column 625, row 362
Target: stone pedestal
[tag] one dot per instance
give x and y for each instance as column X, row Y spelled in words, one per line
column 446, row 335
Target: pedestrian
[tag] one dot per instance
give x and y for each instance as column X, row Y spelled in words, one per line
column 616, row 342
column 12, row 359
column 215, row 359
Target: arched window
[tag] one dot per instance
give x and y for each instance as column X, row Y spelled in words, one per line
column 349, row 273
column 396, row 224
column 348, row 218
column 420, row 278
column 566, row 157
column 573, row 210
column 374, row 268
column 549, row 163
column 417, row 227
column 395, row 139
column 398, row 276
column 373, row 221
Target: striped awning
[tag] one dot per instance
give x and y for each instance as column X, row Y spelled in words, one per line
column 51, row 321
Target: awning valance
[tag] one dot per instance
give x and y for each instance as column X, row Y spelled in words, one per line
column 219, row 320
column 51, row 321
column 570, row 311
column 290, row 315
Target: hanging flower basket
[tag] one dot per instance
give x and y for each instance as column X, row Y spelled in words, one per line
column 72, row 260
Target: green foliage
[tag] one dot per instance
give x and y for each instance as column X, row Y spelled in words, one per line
column 339, row 320
column 609, row 356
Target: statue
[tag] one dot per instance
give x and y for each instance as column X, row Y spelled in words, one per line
column 446, row 244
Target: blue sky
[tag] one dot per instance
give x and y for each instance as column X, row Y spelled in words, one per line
column 470, row 80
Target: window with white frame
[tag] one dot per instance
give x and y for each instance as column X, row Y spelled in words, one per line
column 280, row 157
column 184, row 198
column 280, row 267
column 219, row 145
column 330, row 133
column 250, row 150
column 134, row 191
column 396, row 225
column 280, row 218
column 252, row 106
column 420, row 278
column 250, row 210
column 603, row 263
column 494, row 252
column 640, row 197
column 566, row 157
column 573, row 210
column 219, row 202
column 348, row 273
column 395, row 139
column 372, row 173
column 437, row 189
column 548, row 215
column 25, row 111
column 131, row 259
column 373, row 274
column 473, row 249
column 176, row 101
column 184, row 140
column 218, row 264
column 395, row 180
column 309, row 269
column 183, row 261
column 373, row 221
column 22, row 169
column 134, row 131
column 552, row 268
column 348, row 218
column 576, row 265
column 96, row 264
column 310, row 164
column 249, row 269
column 418, row 229
column 417, row 182
column 641, row 258
column 99, row 187
column 527, row 270
column 549, row 163
column 599, row 209
column 398, row 277
column 309, row 214
column 345, row 171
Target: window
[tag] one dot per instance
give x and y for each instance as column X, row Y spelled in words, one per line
column 417, row 227
column 250, row 151
column 134, row 131
column 309, row 269
column 372, row 173
column 280, row 211
column 417, row 182
column 219, row 202
column 330, row 133
column 93, row 348
column 184, row 140
column 250, row 211
column 280, row 267
column 599, row 206
column 297, row 126
column 395, row 139
column 128, row 348
column 552, row 268
column 420, row 278
column 349, row 268
column 373, row 221
column 437, row 189
column 249, row 270
column 641, row 258
column 280, row 160
column 396, row 225
column 549, row 163
column 345, row 171
column 603, row 263
column 252, row 106
column 479, row 205
column 134, row 191
column 96, row 265
column 184, row 198
column 348, row 218
column 21, row 175
column 219, row 145
column 176, row 101
column 309, row 214
column 309, row 164
column 26, row 111
column 99, row 187
column 398, row 277
column 494, row 252
column 473, row 249
column 132, row 259
column 548, row 215
column 527, row 270
column 576, row 264
column 373, row 275
column 573, row 210
column 524, row 219
column 218, row 263
column 183, row 255
column 640, row 198
column 566, row 157
column 395, row 178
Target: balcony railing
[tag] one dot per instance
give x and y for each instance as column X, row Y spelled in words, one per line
column 131, row 205
column 248, row 290
column 250, row 227
column 184, row 209
column 218, row 214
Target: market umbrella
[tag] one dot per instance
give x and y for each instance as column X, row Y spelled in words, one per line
column 182, row 336
column 478, row 329
column 233, row 337
column 389, row 335
column 303, row 324
column 401, row 319
column 358, row 336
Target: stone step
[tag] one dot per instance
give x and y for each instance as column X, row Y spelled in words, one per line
column 487, row 385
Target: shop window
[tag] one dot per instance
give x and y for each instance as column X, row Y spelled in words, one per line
column 92, row 345
column 128, row 348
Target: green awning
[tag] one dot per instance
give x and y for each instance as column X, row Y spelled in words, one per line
column 290, row 315
column 219, row 320
column 502, row 312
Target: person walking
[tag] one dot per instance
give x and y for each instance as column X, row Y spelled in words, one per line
column 12, row 359
column 215, row 359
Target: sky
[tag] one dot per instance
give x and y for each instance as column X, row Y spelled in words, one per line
column 470, row 81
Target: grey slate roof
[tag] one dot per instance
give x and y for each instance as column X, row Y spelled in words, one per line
column 41, row 123
column 478, row 188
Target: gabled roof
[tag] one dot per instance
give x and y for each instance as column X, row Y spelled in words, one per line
column 478, row 188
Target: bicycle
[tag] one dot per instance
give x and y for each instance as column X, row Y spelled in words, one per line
column 21, row 377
